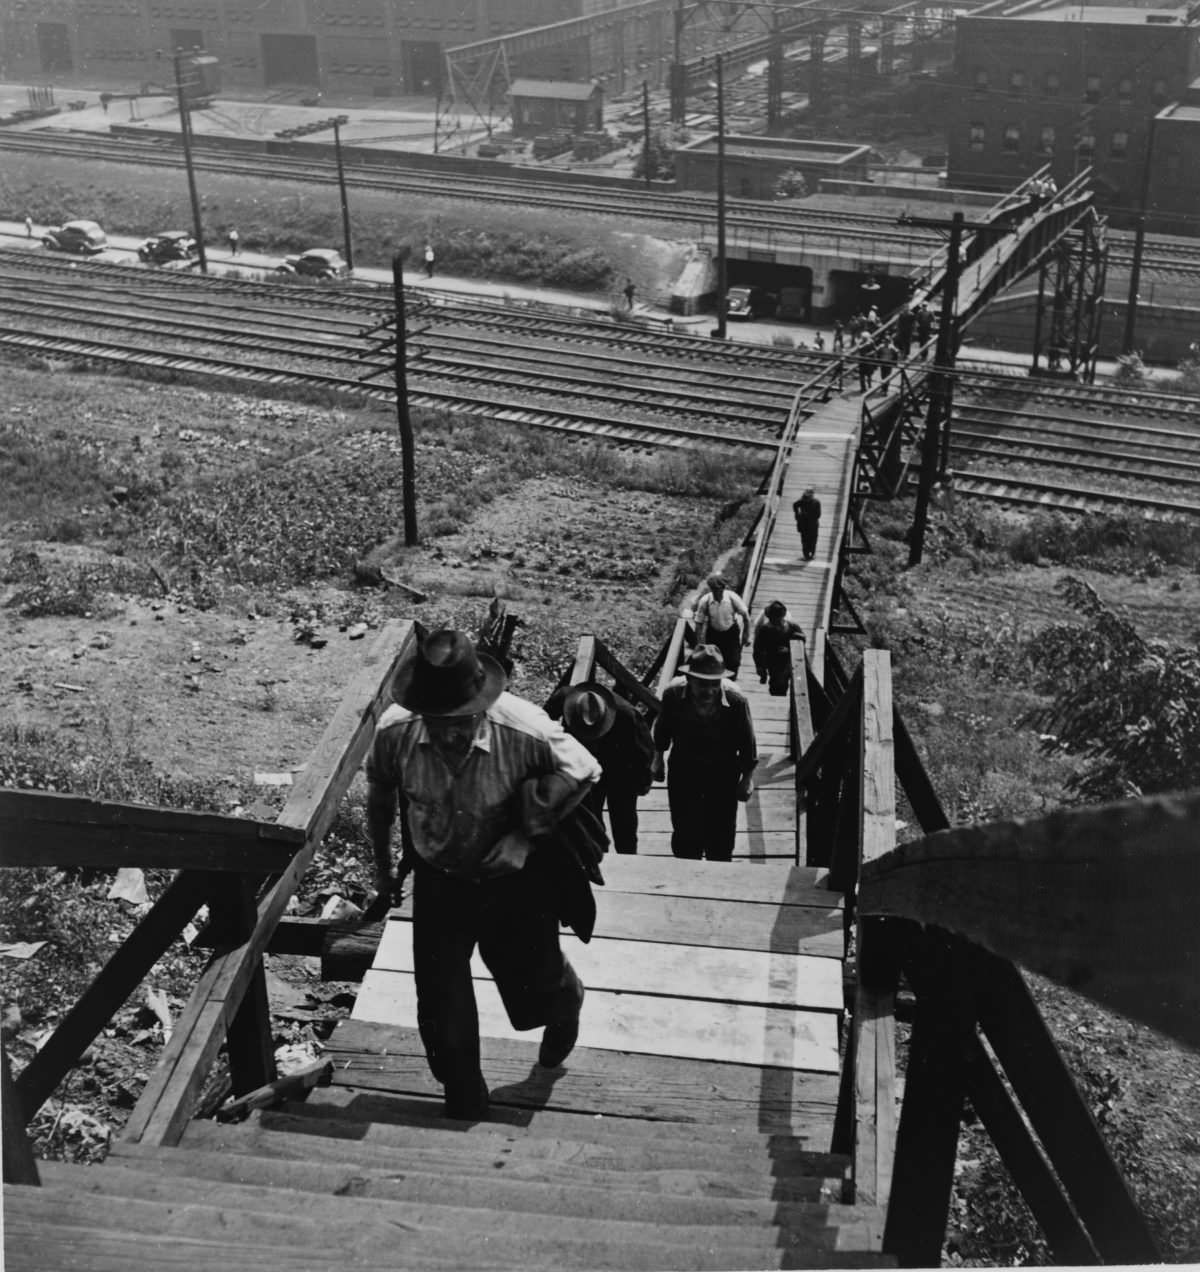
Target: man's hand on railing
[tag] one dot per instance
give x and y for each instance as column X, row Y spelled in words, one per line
column 658, row 768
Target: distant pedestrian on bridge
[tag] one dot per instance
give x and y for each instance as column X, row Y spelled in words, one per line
column 459, row 756
column 234, row 239
column 906, row 325
column 866, row 364
column 706, row 727
column 807, row 511
column 722, row 619
column 773, row 636
column 924, row 319
column 429, row 260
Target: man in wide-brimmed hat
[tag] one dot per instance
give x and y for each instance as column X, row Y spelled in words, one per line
column 455, row 754
column 614, row 732
column 705, row 724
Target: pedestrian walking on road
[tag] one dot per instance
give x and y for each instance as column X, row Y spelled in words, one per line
column 773, row 636
column 28, row 226
column 807, row 511
column 234, row 240
column 429, row 260
column 723, row 620
column 705, row 725
column 839, row 337
column 468, row 765
column 613, row 730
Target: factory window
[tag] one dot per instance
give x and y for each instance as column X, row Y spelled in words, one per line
column 1087, row 144
column 976, row 136
column 1091, row 88
column 1118, row 145
column 1012, row 138
column 1046, row 139
column 1053, row 83
column 981, row 80
column 1158, row 91
column 1125, row 90
column 1016, row 81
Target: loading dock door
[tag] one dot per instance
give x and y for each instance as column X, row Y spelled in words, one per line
column 290, row 59
column 54, row 46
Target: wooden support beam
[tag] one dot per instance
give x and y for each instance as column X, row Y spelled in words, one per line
column 116, row 980
column 249, row 1041
column 39, row 828
column 585, row 661
column 914, row 781
column 1069, row 1244
column 164, row 1108
column 1049, row 894
column 20, row 1167
column 1058, row 1114
column 834, row 728
column 319, row 1073
column 626, row 680
column 803, row 735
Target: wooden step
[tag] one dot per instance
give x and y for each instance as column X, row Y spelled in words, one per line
column 349, row 1104
column 432, row 1233
column 767, row 882
column 534, row 1160
column 347, row 1169
column 391, row 1059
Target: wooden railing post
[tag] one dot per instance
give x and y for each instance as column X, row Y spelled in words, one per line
column 249, row 1038
column 19, row 1164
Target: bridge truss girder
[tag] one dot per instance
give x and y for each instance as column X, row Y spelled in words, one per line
column 1076, row 273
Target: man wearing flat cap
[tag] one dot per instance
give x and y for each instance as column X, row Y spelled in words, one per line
column 461, row 756
column 614, row 732
column 705, row 724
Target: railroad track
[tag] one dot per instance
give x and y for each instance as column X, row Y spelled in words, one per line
column 793, row 223
column 586, row 376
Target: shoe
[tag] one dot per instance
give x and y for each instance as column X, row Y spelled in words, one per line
column 762, row 680
column 471, row 1107
column 559, row 1038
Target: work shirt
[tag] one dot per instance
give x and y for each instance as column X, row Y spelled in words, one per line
column 719, row 616
column 456, row 817
column 723, row 740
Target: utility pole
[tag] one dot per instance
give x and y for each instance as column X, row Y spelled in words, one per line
column 1139, row 242
column 721, row 266
column 338, row 121
column 185, row 132
column 646, row 133
column 403, row 419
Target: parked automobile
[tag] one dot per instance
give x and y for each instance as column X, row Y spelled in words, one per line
column 749, row 302
column 317, row 262
column 794, row 303
column 170, row 245
column 80, row 238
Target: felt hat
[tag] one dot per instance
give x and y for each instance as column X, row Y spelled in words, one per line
column 705, row 663
column 776, row 609
column 448, row 677
column 588, row 711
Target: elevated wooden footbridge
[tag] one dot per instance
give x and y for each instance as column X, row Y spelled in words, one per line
column 733, row 1100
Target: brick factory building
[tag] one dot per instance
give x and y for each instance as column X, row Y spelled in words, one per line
column 367, row 47
column 1065, row 84
column 753, row 165
column 1174, row 195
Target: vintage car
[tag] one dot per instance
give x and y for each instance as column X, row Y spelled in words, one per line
column 749, row 302
column 170, row 245
column 80, row 238
column 317, row 262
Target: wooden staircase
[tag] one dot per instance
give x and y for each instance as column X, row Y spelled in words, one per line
column 359, row 1178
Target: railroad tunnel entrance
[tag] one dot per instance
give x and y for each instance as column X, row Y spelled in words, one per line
column 851, row 292
column 790, row 285
column 290, row 59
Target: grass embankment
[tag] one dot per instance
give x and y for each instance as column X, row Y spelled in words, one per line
column 966, row 635
column 502, row 244
column 126, row 503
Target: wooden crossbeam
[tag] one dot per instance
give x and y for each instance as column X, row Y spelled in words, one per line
column 40, row 828
column 166, row 1103
column 117, row 979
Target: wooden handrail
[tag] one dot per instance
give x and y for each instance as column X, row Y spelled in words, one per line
column 674, row 655
column 1050, row 894
column 166, row 1103
column 42, row 828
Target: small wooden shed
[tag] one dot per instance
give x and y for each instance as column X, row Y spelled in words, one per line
column 541, row 106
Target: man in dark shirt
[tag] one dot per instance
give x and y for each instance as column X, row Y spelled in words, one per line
column 705, row 725
column 619, row 738
column 807, row 511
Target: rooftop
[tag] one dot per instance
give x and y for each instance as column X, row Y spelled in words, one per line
column 792, row 148
column 559, row 90
column 1095, row 14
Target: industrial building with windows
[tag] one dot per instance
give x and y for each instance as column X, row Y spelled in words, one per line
column 366, row 47
column 1067, row 85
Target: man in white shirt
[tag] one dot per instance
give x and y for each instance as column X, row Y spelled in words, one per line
column 717, row 617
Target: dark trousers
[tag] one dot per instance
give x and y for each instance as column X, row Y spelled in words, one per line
column 517, row 934
column 808, row 540
column 622, row 812
column 703, row 800
column 729, row 642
